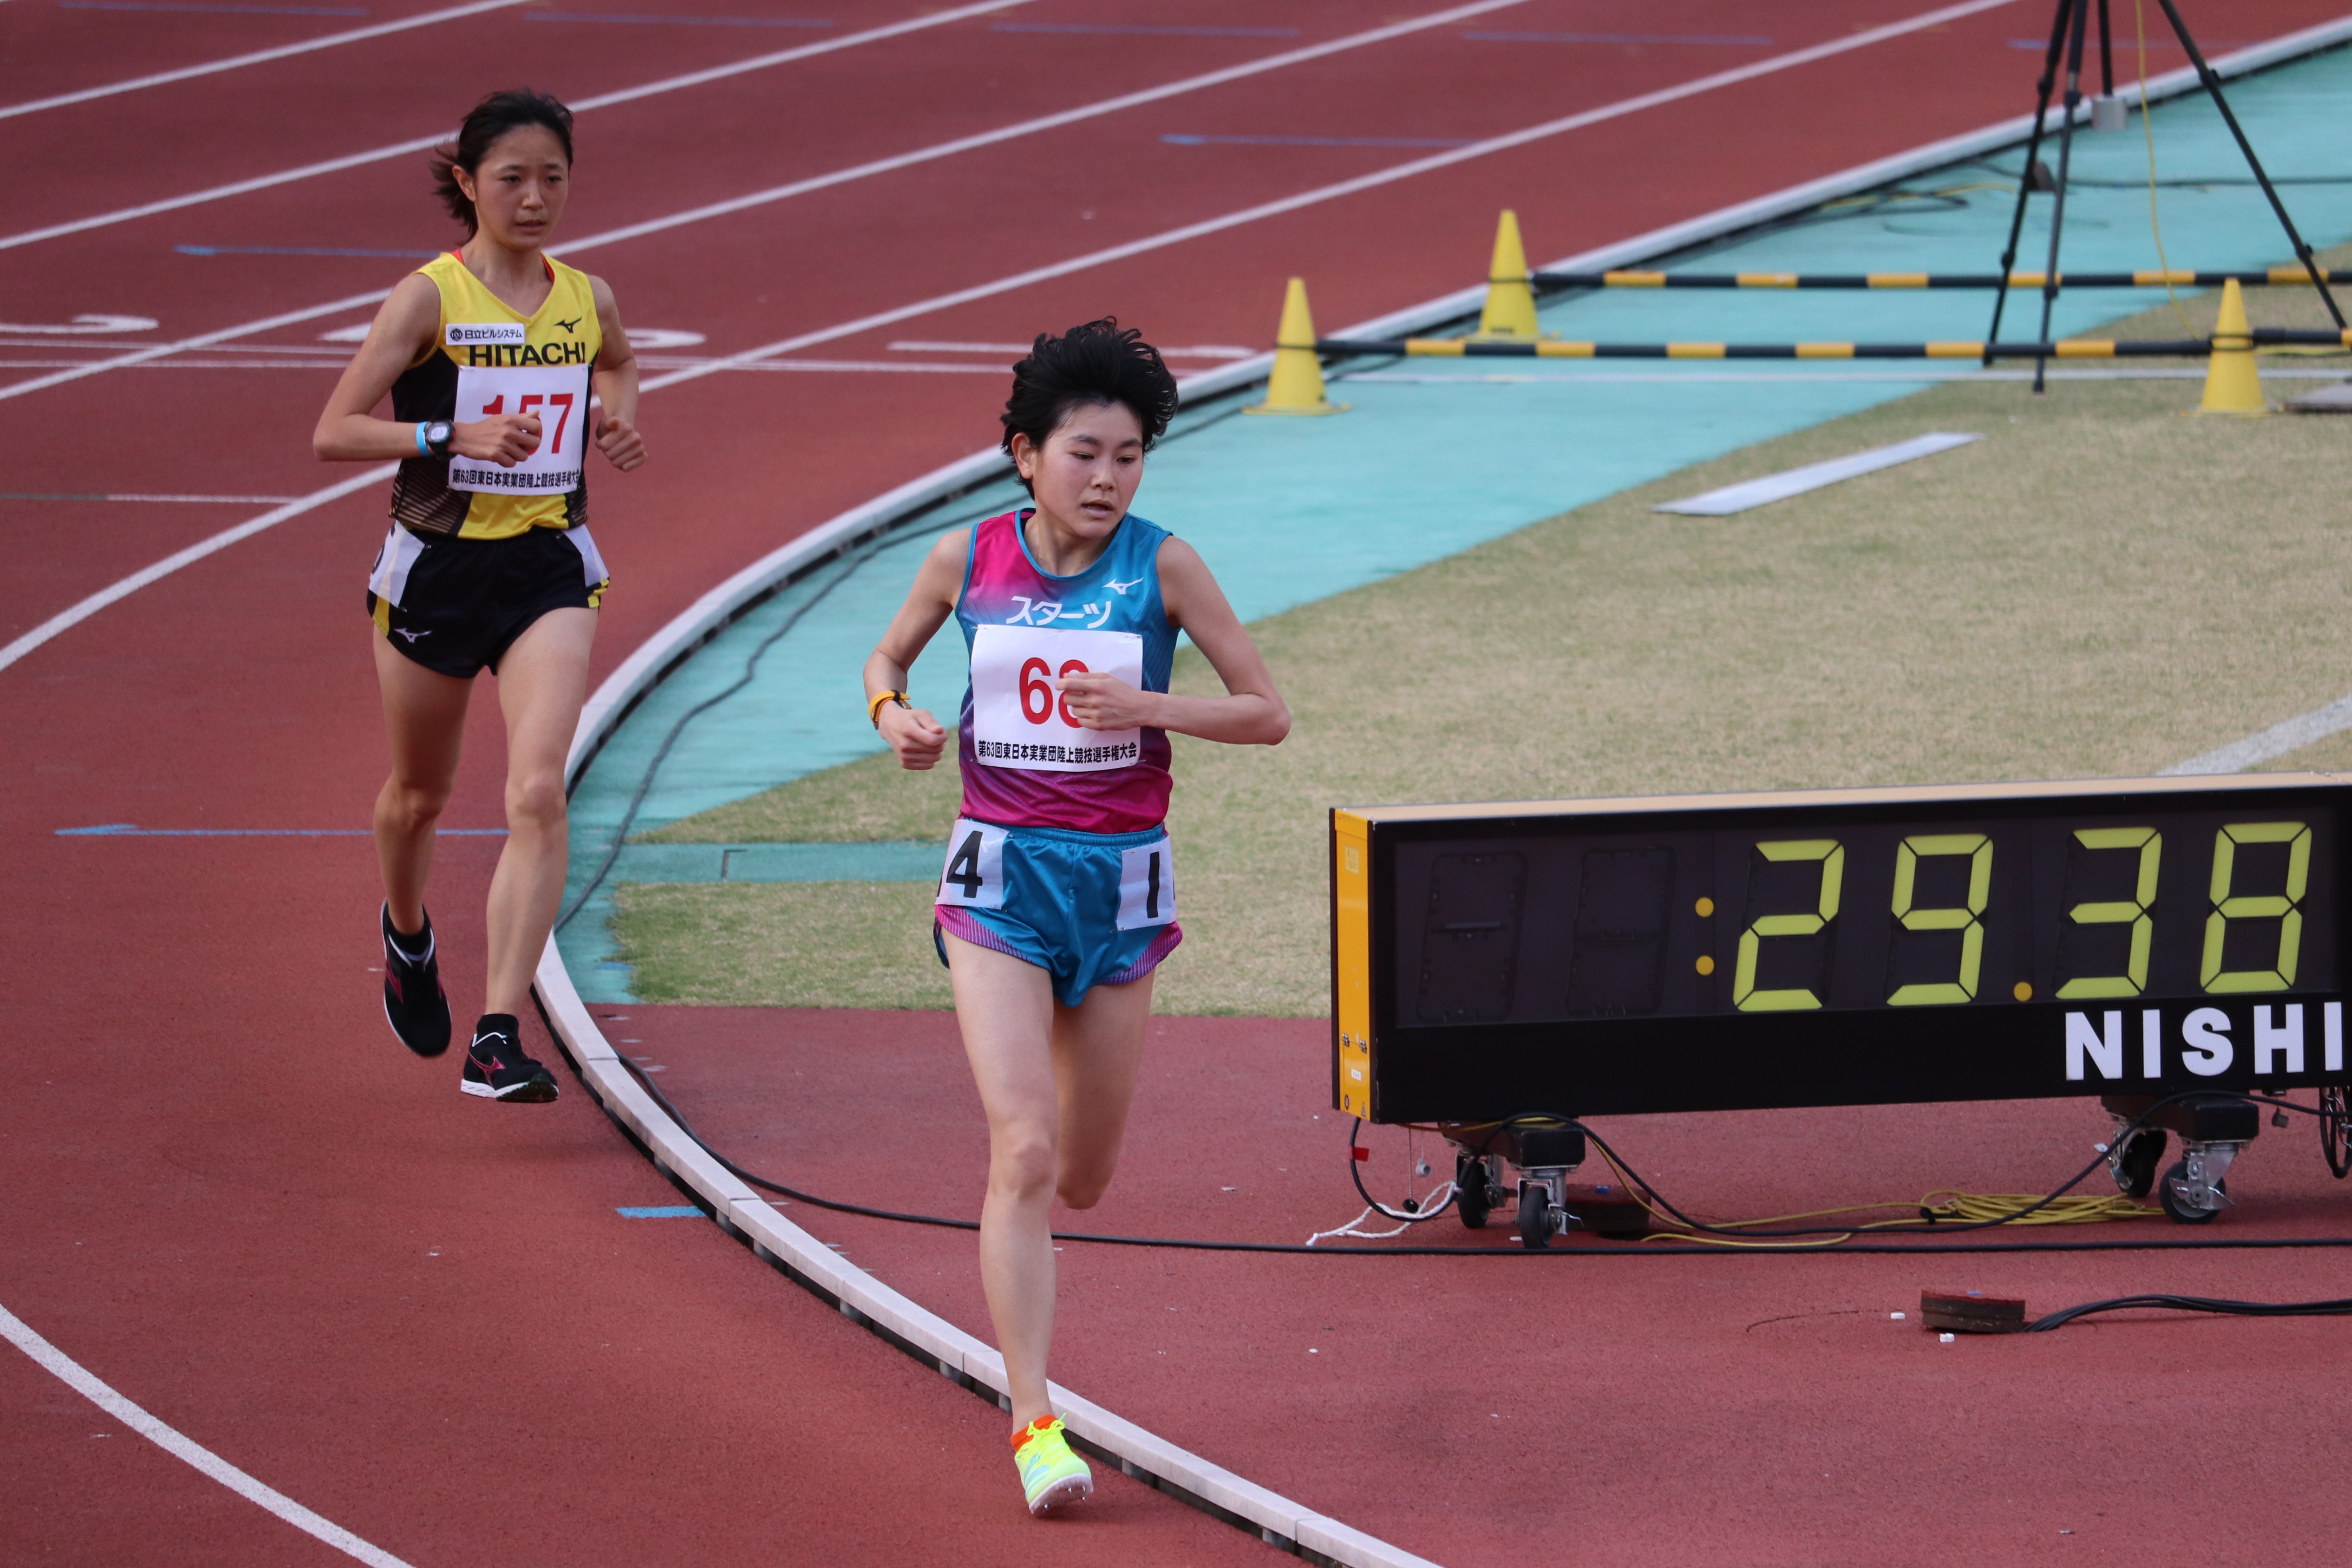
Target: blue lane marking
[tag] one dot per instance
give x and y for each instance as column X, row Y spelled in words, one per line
column 292, row 250
column 1151, row 29
column 666, row 1211
column 674, row 21
column 133, row 830
column 212, row 10
column 1175, row 138
column 1746, row 38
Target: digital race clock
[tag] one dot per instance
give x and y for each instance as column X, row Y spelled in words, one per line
column 1838, row 947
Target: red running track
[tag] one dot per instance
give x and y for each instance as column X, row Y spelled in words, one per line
column 237, row 1201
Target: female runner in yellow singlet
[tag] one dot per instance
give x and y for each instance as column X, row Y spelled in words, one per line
column 496, row 359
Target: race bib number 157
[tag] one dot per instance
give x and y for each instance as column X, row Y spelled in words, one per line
column 1020, row 721
column 558, row 394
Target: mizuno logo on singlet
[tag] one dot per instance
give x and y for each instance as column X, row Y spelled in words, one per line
column 568, row 325
column 1118, row 587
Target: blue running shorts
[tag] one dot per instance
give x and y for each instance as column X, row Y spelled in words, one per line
column 1089, row 908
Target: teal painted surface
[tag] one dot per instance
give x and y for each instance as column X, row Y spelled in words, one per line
column 1438, row 456
column 888, row 862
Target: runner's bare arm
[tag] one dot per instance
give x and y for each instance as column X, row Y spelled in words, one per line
column 913, row 733
column 1251, row 713
column 349, row 431
column 616, row 381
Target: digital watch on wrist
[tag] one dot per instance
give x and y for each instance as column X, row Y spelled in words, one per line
column 436, row 437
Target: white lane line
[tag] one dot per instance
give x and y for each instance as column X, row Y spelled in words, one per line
column 82, row 326
column 921, row 346
column 65, row 619
column 258, row 56
column 58, row 622
column 1055, row 121
column 1329, row 193
column 1093, row 258
column 800, row 187
column 1752, row 494
column 2287, row 735
column 209, row 501
column 421, row 143
column 201, row 340
column 183, row 1447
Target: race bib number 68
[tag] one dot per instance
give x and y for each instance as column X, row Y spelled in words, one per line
column 1020, row 721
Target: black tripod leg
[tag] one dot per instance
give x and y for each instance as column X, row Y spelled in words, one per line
column 2025, row 181
column 2058, row 198
column 2214, row 86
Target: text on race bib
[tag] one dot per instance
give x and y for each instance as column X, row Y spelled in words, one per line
column 1147, row 885
column 974, row 875
column 1020, row 721
column 558, row 394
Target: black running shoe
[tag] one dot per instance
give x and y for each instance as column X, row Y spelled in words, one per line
column 496, row 1068
column 414, row 1003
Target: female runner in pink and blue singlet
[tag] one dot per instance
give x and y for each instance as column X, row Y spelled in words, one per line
column 1058, row 898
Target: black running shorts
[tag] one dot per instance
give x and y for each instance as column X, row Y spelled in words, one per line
column 455, row 606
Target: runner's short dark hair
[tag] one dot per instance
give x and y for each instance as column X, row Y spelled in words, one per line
column 491, row 118
column 1098, row 363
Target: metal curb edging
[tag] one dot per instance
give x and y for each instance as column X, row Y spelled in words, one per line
column 747, row 1217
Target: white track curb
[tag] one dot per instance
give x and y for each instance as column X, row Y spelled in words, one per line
column 862, row 1297
column 866, row 1301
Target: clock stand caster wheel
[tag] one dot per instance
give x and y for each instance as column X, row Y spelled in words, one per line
column 1535, row 1217
column 1470, row 1195
column 2335, row 1130
column 2134, row 1168
column 2181, row 1213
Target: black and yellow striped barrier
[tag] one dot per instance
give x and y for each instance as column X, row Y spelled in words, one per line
column 2147, row 279
column 2063, row 348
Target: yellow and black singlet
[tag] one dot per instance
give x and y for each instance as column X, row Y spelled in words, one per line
column 488, row 359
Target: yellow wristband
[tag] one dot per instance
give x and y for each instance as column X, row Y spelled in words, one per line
column 874, row 705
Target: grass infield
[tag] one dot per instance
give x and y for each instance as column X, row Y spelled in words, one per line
column 2101, row 587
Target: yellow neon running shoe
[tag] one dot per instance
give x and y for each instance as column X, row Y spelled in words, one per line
column 1051, row 1475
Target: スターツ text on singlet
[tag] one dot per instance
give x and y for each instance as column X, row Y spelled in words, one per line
column 1020, row 721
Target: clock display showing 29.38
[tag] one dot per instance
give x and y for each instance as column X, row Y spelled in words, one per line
column 1839, row 947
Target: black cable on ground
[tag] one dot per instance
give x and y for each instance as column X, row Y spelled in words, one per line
column 1186, row 1243
column 1944, row 1226
column 2176, row 183
column 854, row 560
column 2335, row 1309
column 1409, row 1215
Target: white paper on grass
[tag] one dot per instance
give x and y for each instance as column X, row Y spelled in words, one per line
column 1814, row 476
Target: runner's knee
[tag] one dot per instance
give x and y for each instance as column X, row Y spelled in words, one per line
column 415, row 805
column 1020, row 1164
column 535, row 800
